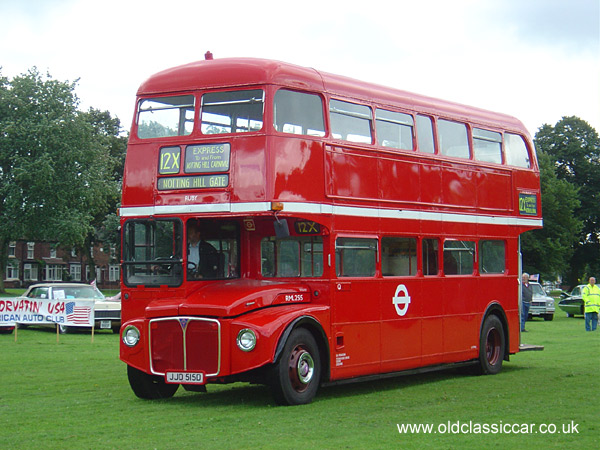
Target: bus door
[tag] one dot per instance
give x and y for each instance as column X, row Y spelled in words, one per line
column 400, row 304
column 356, row 311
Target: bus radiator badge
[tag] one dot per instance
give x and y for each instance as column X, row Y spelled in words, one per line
column 183, row 322
column 401, row 303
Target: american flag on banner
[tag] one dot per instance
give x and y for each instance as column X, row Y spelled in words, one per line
column 78, row 314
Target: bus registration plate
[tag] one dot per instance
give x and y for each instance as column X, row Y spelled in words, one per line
column 184, row 377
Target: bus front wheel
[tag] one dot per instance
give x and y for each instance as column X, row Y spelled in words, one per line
column 149, row 387
column 491, row 346
column 297, row 374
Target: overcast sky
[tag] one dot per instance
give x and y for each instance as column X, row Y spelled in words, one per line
column 537, row 60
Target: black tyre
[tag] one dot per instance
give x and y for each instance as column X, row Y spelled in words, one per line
column 548, row 317
column 149, row 387
column 63, row 329
column 297, row 374
column 491, row 346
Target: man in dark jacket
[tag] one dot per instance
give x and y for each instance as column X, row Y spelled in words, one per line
column 203, row 259
column 526, row 297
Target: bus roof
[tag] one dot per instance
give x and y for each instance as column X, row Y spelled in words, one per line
column 236, row 72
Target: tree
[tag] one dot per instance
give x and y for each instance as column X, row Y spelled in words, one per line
column 58, row 166
column 549, row 250
column 106, row 133
column 574, row 147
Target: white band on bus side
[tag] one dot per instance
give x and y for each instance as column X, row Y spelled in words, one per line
column 320, row 208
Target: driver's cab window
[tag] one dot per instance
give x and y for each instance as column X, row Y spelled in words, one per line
column 152, row 252
column 294, row 256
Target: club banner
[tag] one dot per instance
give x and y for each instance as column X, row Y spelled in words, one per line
column 43, row 311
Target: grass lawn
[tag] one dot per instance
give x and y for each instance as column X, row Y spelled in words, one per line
column 75, row 395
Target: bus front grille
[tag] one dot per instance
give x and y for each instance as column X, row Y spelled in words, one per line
column 185, row 344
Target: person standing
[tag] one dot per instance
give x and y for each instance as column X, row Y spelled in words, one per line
column 591, row 304
column 526, row 297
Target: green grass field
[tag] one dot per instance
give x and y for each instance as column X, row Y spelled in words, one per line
column 75, row 395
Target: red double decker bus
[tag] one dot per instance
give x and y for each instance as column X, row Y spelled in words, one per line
column 286, row 226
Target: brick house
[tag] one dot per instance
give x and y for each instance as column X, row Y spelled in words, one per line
column 37, row 262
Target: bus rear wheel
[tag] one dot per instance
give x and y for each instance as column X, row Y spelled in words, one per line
column 297, row 374
column 491, row 346
column 149, row 387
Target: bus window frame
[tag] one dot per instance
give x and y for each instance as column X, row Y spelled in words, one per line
column 413, row 126
column 451, row 122
column 474, row 136
column 415, row 239
column 266, row 99
column 420, row 262
column 481, row 260
column 530, row 152
column 474, row 260
column 434, row 133
column 377, row 271
column 373, row 139
column 181, row 124
column 271, row 94
column 131, row 260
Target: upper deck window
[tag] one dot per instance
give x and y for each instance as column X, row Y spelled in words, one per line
column 298, row 113
column 453, row 138
column 232, row 111
column 165, row 116
column 394, row 129
column 350, row 122
column 425, row 134
column 516, row 151
column 487, row 146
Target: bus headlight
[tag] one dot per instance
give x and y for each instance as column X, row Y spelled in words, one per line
column 246, row 340
column 131, row 336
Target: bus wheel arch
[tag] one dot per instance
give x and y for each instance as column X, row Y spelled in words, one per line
column 300, row 362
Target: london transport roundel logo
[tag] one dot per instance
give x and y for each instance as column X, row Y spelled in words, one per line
column 401, row 303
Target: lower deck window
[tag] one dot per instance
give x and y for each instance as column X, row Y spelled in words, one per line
column 398, row 256
column 459, row 257
column 355, row 257
column 430, row 257
column 492, row 257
